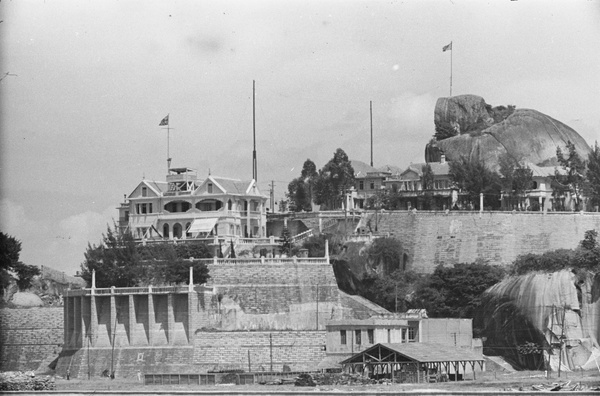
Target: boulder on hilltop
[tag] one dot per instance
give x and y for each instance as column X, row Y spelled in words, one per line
column 481, row 132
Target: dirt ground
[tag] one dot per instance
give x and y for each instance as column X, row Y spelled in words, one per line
column 489, row 381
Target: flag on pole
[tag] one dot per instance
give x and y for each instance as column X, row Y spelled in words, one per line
column 164, row 121
column 447, row 47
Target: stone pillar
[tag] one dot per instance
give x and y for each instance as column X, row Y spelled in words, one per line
column 327, row 250
column 481, row 202
column 151, row 318
column 93, row 321
column 131, row 323
column 192, row 302
column 191, row 283
column 170, row 319
column 67, row 334
column 113, row 316
column 75, row 307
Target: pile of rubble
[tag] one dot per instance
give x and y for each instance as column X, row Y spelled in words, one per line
column 25, row 381
column 557, row 386
column 346, row 379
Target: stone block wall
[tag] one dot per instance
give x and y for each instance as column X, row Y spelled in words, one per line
column 271, row 274
column 126, row 362
column 299, row 350
column 30, row 338
column 434, row 238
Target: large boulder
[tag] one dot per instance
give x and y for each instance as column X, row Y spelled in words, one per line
column 27, row 300
column 544, row 315
column 486, row 133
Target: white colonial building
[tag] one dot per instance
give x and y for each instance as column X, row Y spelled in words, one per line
column 184, row 208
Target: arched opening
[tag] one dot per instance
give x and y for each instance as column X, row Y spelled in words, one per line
column 166, row 231
column 209, row 205
column 177, row 206
column 187, row 227
column 229, row 205
column 404, row 262
column 177, row 231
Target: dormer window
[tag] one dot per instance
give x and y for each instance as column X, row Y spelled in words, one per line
column 210, row 188
column 144, row 191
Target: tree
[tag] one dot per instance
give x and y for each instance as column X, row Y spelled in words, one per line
column 516, row 178
column 300, row 189
column 427, row 185
column 456, row 292
column 116, row 261
column 474, row 178
column 393, row 291
column 333, row 180
column 573, row 175
column 286, row 241
column 10, row 250
column 387, row 252
column 592, row 185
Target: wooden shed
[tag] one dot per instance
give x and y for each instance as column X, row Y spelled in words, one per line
column 415, row 362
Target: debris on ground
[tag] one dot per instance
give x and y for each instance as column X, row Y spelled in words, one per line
column 25, row 381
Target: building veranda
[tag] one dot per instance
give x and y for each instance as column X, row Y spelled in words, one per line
column 415, row 362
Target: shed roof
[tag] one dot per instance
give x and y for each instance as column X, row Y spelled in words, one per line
column 414, row 352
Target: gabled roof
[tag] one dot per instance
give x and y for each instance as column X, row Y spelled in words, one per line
column 416, row 352
column 230, row 186
column 157, row 187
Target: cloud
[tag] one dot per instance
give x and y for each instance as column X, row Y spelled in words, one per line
column 58, row 245
column 205, row 44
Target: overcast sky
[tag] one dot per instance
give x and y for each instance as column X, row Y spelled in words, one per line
column 90, row 81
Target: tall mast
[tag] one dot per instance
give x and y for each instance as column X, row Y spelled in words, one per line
column 371, row 112
column 254, row 165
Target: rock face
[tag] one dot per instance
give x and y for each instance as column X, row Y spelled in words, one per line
column 542, row 309
column 486, row 133
column 27, row 300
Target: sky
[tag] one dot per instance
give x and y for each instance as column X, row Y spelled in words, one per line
column 86, row 83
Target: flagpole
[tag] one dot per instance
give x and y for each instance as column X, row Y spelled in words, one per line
column 168, row 138
column 451, row 67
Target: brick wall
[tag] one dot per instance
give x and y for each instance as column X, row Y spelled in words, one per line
column 29, row 337
column 433, row 238
column 299, row 350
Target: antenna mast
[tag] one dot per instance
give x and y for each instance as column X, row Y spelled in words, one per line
column 254, row 166
column 371, row 112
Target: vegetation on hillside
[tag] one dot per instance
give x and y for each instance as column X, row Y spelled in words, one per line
column 11, row 266
column 118, row 261
column 586, row 256
column 592, row 184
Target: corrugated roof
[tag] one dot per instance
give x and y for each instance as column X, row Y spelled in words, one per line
column 421, row 352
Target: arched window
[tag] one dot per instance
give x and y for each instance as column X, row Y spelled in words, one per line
column 534, row 185
column 229, row 205
column 177, row 206
column 166, row 231
column 177, row 231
